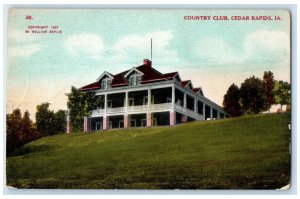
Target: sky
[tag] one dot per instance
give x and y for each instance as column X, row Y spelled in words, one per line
column 212, row 53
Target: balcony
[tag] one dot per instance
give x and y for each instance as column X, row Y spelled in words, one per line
column 144, row 108
column 132, row 109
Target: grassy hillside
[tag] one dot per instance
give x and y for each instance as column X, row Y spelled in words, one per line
column 244, row 153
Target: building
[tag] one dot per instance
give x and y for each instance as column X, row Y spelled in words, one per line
column 144, row 97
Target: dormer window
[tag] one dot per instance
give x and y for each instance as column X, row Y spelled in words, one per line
column 105, row 83
column 134, row 79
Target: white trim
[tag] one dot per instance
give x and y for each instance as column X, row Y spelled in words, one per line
column 151, row 80
column 177, row 74
column 133, row 69
column 103, row 74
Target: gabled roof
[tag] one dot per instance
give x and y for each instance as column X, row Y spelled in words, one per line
column 184, row 83
column 105, row 73
column 133, row 69
column 198, row 90
column 170, row 75
column 187, row 83
column 148, row 74
column 92, row 86
column 119, row 79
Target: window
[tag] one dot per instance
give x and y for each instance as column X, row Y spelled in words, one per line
column 98, row 126
column 169, row 100
column 131, row 101
column 109, row 103
column 121, row 124
column 143, row 122
column 105, row 84
column 134, row 79
column 145, row 101
column 132, row 123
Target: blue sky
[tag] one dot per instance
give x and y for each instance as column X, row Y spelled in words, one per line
column 213, row 54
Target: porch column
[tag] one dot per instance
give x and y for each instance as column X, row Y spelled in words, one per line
column 69, row 124
column 69, row 127
column 86, row 126
column 173, row 96
column 204, row 111
column 149, row 119
column 172, row 118
column 126, row 102
column 184, row 100
column 126, row 110
column 105, row 103
column 105, row 123
column 211, row 113
column 126, row 121
column 149, row 100
column 196, row 105
column 218, row 115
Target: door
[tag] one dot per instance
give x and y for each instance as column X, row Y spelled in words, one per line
column 144, row 123
column 133, row 123
column 98, row 126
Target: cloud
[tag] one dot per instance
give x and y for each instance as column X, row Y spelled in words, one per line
column 138, row 46
column 85, row 44
column 216, row 50
column 267, row 46
column 19, row 36
column 24, row 50
column 258, row 48
column 22, row 44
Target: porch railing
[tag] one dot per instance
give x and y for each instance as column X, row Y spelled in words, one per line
column 144, row 108
column 137, row 108
column 188, row 111
column 161, row 106
column 116, row 110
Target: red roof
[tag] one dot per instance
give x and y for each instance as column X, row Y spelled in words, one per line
column 169, row 75
column 184, row 83
column 149, row 75
column 196, row 90
column 92, row 86
column 119, row 79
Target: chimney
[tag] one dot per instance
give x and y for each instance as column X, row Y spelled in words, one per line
column 148, row 63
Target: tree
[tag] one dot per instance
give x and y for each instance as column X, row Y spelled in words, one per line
column 231, row 101
column 269, row 86
column 19, row 131
column 44, row 119
column 253, row 95
column 13, row 130
column 59, row 121
column 48, row 122
column 282, row 92
column 26, row 126
column 80, row 104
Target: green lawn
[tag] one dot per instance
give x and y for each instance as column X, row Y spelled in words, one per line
column 249, row 152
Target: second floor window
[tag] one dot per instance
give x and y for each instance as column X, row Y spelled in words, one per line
column 134, row 79
column 105, row 84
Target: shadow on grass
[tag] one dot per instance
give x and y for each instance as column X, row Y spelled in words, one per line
column 29, row 149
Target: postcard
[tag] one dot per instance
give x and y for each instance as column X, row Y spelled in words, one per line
column 148, row 99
